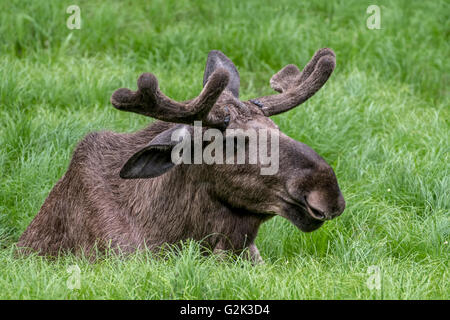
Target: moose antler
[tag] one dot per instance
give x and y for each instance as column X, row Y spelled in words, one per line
column 296, row 87
column 150, row 101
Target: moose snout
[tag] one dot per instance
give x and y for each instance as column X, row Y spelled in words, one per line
column 323, row 207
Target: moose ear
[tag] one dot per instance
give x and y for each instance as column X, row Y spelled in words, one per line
column 217, row 59
column 153, row 160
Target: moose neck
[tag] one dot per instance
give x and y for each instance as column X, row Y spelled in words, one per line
column 172, row 204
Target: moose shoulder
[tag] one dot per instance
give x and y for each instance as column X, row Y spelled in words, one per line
column 124, row 190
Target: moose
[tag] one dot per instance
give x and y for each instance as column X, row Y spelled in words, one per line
column 122, row 191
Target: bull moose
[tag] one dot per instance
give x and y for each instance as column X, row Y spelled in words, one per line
column 123, row 191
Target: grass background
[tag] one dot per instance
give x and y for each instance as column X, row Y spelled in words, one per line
column 382, row 122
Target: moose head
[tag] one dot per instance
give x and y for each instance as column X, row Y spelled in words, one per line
column 304, row 189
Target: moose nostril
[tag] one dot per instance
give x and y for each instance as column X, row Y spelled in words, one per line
column 318, row 213
column 315, row 212
column 324, row 207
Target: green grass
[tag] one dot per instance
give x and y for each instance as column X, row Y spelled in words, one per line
column 382, row 122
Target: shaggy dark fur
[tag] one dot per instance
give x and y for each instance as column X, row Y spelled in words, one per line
column 221, row 205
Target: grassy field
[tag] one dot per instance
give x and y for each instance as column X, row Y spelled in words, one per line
column 381, row 121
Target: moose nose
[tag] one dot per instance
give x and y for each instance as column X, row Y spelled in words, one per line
column 316, row 205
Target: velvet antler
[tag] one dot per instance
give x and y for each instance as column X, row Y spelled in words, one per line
column 296, row 87
column 150, row 101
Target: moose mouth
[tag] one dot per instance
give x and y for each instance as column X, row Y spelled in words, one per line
column 303, row 215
